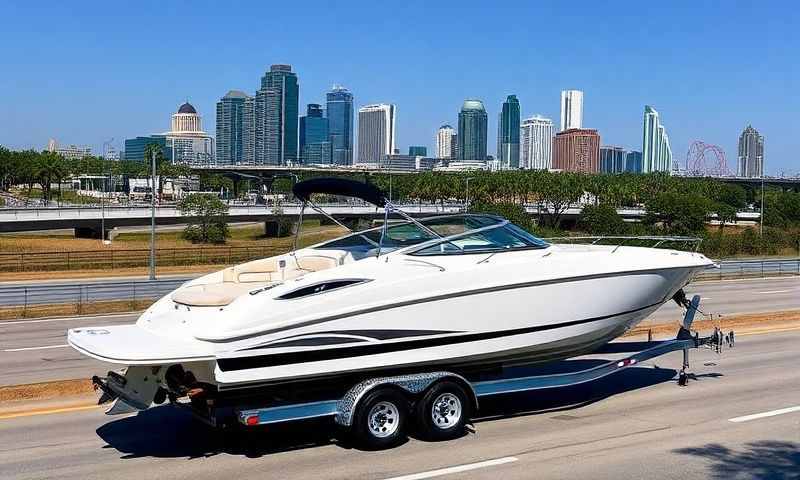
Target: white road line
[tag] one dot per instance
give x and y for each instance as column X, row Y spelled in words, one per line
column 34, row 348
column 774, row 291
column 456, row 469
column 705, row 298
column 771, row 413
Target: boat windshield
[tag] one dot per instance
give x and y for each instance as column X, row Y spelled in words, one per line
column 453, row 234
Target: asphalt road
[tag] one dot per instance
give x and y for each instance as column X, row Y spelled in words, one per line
column 35, row 350
column 632, row 425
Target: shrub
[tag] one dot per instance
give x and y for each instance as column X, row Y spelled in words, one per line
column 208, row 218
column 601, row 219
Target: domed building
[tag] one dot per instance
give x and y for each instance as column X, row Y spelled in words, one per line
column 187, row 140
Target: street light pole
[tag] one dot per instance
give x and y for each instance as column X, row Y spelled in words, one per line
column 761, row 216
column 153, row 218
column 103, row 195
column 466, row 206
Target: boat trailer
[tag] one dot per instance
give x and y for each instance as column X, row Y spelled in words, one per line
column 342, row 409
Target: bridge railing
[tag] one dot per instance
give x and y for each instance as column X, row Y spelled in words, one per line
column 125, row 259
column 81, row 298
column 761, row 268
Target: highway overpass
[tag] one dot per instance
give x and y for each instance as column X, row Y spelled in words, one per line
column 88, row 221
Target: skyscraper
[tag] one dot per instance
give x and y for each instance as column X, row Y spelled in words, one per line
column 315, row 145
column 536, row 146
column 249, row 130
column 417, row 151
column 571, row 109
column 446, row 142
column 751, row 153
column 340, row 125
column 230, row 128
column 633, row 162
column 472, row 126
column 508, row 134
column 376, row 127
column 612, row 159
column 276, row 112
column 577, row 150
column 656, row 152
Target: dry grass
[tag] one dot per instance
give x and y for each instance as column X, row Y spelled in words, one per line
column 134, row 262
column 251, row 235
column 737, row 323
column 45, row 390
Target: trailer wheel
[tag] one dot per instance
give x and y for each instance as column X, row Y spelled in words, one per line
column 380, row 419
column 443, row 412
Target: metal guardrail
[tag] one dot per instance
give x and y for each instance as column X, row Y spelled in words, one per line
column 117, row 259
column 85, row 297
column 732, row 269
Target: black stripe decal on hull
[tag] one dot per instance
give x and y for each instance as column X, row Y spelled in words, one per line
column 278, row 359
column 464, row 293
column 366, row 334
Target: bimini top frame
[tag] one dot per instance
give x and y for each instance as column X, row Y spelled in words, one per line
column 348, row 188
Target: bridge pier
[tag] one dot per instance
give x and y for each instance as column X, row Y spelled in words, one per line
column 92, row 232
column 279, row 228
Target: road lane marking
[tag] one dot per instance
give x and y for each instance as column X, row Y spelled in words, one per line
column 25, row 349
column 771, row 413
column 457, row 469
column 49, row 411
column 774, row 291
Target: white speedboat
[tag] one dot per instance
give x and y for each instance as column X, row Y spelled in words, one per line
column 459, row 292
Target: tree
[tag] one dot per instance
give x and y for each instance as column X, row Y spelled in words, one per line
column 50, row 167
column 560, row 192
column 678, row 214
column 725, row 214
column 208, row 222
column 601, row 219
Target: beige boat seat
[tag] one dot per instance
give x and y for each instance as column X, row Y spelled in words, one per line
column 240, row 279
column 212, row 294
column 315, row 263
column 263, row 271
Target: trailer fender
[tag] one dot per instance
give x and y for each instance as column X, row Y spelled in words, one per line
column 412, row 384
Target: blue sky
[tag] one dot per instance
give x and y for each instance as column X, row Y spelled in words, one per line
column 84, row 72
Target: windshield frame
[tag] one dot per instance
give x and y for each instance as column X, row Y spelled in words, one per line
column 414, row 249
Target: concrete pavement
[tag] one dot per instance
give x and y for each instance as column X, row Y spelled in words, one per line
column 635, row 424
column 35, row 350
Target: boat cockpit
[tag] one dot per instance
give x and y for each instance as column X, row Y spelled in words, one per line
column 439, row 235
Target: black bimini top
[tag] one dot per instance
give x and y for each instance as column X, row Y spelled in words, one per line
column 339, row 186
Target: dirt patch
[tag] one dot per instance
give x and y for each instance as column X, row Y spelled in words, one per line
column 63, row 310
column 45, row 390
column 738, row 323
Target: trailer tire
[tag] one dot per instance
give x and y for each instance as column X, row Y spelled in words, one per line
column 380, row 418
column 443, row 411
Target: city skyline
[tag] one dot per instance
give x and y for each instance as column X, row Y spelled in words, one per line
column 616, row 72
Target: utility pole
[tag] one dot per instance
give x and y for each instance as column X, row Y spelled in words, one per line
column 761, row 216
column 466, row 206
column 105, row 189
column 153, row 219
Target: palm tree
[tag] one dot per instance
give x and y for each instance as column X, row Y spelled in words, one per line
column 50, row 166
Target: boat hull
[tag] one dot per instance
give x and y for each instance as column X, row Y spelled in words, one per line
column 532, row 322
